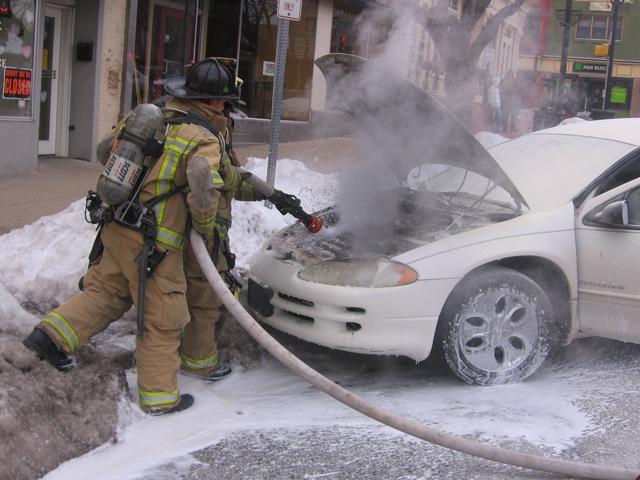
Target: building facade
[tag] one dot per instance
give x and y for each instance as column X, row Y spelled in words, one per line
column 170, row 35
column 591, row 26
column 71, row 68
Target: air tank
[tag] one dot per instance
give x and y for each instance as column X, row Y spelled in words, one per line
column 126, row 161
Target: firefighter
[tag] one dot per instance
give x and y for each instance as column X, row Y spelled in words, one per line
column 199, row 353
column 191, row 158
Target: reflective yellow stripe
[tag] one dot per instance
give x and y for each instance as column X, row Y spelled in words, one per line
column 222, row 227
column 179, row 144
column 170, row 163
column 175, row 148
column 204, row 224
column 199, row 364
column 171, row 238
column 226, row 159
column 152, row 399
column 216, row 178
column 246, row 192
column 61, row 326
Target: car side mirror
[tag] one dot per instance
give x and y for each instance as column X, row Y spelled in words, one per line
column 614, row 214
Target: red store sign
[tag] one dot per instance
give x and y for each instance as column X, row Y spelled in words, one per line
column 17, row 83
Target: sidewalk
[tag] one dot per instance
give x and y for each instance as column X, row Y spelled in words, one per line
column 52, row 187
column 60, row 181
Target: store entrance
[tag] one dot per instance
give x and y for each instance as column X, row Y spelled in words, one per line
column 594, row 94
column 51, row 137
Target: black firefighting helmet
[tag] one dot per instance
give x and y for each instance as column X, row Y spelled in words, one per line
column 210, row 78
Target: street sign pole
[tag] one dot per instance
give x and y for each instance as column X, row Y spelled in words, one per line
column 615, row 4
column 287, row 10
column 277, row 98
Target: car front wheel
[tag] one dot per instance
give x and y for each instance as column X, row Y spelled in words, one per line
column 496, row 327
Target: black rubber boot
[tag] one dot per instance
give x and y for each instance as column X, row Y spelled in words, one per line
column 41, row 344
column 218, row 373
column 185, row 402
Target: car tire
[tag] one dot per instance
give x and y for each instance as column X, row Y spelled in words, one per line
column 496, row 327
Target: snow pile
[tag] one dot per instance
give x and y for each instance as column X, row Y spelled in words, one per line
column 253, row 223
column 42, row 263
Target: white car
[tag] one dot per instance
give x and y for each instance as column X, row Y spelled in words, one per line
column 493, row 258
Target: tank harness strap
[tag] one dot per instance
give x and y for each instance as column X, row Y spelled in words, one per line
column 97, row 248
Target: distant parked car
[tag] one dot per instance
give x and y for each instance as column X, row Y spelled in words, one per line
column 495, row 257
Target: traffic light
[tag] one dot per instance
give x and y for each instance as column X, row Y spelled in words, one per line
column 601, row 50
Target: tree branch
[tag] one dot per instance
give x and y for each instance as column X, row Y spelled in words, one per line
column 490, row 30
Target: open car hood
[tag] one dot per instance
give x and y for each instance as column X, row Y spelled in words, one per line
column 404, row 122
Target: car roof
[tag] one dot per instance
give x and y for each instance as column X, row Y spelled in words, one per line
column 626, row 130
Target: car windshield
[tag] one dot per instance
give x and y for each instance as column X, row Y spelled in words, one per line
column 549, row 170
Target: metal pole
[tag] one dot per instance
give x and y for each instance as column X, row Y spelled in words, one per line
column 566, row 33
column 147, row 57
column 239, row 43
column 278, row 94
column 195, row 33
column 130, row 55
column 615, row 4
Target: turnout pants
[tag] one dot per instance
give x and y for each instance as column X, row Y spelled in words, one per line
column 110, row 288
column 199, row 349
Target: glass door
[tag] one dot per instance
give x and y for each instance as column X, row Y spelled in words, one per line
column 49, row 88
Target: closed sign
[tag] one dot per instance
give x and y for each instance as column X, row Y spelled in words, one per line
column 17, row 83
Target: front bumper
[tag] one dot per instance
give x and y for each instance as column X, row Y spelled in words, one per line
column 381, row 321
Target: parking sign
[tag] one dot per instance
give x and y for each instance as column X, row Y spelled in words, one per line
column 290, row 9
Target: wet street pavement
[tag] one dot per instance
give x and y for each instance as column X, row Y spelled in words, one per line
column 593, row 389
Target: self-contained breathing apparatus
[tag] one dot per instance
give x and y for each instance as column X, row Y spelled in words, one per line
column 137, row 145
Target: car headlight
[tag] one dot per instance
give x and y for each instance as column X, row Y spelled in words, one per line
column 354, row 272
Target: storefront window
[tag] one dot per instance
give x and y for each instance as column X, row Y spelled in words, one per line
column 166, row 41
column 343, row 30
column 258, row 37
column 17, row 21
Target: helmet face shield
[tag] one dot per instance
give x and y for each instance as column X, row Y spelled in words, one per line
column 207, row 79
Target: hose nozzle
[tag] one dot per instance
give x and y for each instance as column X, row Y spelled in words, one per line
column 314, row 225
column 284, row 202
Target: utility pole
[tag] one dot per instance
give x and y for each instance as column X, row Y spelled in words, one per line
column 566, row 17
column 566, row 34
column 615, row 5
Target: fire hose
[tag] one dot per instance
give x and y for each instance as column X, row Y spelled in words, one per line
column 452, row 442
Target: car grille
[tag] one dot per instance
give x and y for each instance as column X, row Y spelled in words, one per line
column 299, row 316
column 299, row 301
